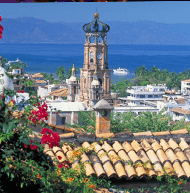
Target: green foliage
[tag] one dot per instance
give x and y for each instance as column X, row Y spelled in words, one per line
column 16, row 65
column 146, row 121
column 49, row 77
column 61, row 73
column 87, row 120
column 143, row 76
column 121, row 87
column 121, row 122
column 172, row 185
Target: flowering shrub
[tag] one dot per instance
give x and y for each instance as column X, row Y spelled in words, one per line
column 50, row 138
column 23, row 163
column 40, row 114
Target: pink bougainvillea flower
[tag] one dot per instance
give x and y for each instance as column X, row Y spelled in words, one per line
column 40, row 114
column 66, row 166
column 25, row 145
column 0, row 18
column 22, row 91
column 59, row 157
column 1, row 36
column 33, row 147
column 31, row 141
column 18, row 91
column 60, row 165
column 2, row 96
column 46, row 130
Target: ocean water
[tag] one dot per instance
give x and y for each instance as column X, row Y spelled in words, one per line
column 48, row 57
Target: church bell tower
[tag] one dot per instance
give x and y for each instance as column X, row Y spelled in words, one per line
column 95, row 59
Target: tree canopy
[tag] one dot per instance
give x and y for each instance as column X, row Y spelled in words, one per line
column 60, row 73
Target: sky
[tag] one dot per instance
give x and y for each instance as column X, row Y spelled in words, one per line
column 159, row 11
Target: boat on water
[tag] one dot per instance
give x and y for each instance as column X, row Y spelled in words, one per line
column 121, row 71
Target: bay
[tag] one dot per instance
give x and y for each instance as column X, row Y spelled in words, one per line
column 48, row 57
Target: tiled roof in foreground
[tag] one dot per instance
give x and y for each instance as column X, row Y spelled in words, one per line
column 144, row 156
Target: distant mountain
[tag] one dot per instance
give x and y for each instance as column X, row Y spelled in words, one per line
column 32, row 30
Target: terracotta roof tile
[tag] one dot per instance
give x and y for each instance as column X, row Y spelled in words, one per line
column 181, row 111
column 188, row 80
column 59, row 92
column 145, row 158
column 37, row 75
column 181, row 131
column 146, row 133
column 40, row 81
column 161, row 133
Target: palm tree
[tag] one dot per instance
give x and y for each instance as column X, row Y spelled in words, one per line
column 60, row 73
column 140, row 71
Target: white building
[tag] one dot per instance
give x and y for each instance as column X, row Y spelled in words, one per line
column 45, row 90
column 16, row 71
column 135, row 109
column 180, row 113
column 140, row 94
column 68, row 112
column 185, row 87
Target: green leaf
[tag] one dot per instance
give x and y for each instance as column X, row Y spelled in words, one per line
column 21, row 185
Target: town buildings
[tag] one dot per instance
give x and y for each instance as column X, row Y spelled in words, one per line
column 185, row 87
column 141, row 94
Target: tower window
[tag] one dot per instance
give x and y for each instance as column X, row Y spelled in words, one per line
column 74, row 89
column 104, row 113
column 100, row 81
column 97, row 95
column 91, row 56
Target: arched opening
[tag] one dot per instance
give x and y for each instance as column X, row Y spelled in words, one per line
column 97, row 95
column 104, row 113
column 74, row 88
column 100, row 81
column 99, row 40
column 92, row 39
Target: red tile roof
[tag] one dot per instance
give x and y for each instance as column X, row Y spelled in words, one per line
column 144, row 154
column 181, row 111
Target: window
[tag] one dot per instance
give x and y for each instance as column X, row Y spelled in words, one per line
column 156, row 96
column 177, row 114
column 74, row 89
column 97, row 95
column 150, row 96
column 142, row 96
column 63, row 120
column 104, row 113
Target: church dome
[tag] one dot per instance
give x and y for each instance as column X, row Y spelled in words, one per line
column 96, row 25
column 5, row 81
column 95, row 83
column 73, row 78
